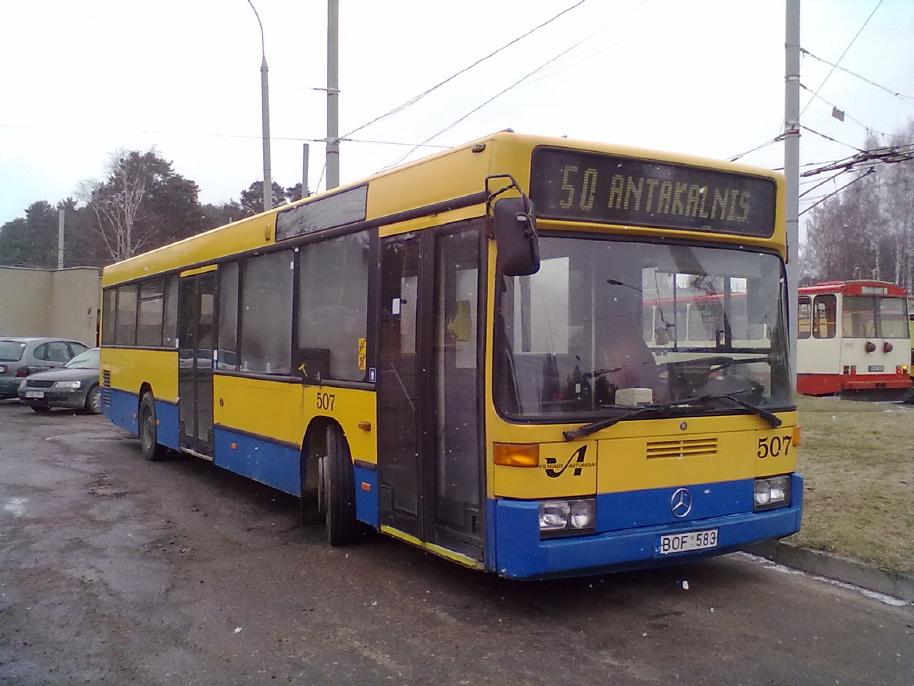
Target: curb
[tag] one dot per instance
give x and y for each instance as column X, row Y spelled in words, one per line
column 838, row 568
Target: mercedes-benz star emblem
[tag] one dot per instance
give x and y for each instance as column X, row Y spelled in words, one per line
column 681, row 502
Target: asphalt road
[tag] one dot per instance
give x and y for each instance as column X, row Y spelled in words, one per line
column 114, row 570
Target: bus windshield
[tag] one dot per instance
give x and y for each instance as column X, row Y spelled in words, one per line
column 607, row 325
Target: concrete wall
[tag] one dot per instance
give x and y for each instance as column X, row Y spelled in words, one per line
column 44, row 302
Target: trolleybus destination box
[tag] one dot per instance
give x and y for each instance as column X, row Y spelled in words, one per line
column 611, row 189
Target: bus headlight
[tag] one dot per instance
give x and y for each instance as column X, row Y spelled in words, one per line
column 563, row 517
column 772, row 492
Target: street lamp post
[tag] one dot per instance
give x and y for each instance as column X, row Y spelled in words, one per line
column 265, row 109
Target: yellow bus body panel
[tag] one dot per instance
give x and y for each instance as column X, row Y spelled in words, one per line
column 283, row 411
column 449, row 175
column 131, row 368
column 640, row 455
column 196, row 251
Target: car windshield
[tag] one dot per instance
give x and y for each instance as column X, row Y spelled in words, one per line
column 606, row 325
column 85, row 360
column 11, row 351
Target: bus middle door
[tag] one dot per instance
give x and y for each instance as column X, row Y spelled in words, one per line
column 429, row 446
column 196, row 333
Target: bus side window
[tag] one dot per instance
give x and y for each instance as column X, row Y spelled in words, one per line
column 125, row 333
column 266, row 314
column 332, row 316
column 228, row 316
column 804, row 317
column 825, row 316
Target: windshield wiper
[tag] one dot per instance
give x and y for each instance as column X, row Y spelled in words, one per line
column 593, row 427
column 773, row 420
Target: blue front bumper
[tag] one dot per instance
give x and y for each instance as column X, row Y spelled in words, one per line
column 519, row 552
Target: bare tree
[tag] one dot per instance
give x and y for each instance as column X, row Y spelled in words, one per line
column 116, row 203
column 142, row 204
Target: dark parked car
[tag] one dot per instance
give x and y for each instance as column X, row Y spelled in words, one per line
column 20, row 357
column 75, row 385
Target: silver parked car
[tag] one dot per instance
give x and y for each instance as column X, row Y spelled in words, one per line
column 75, row 385
column 20, row 357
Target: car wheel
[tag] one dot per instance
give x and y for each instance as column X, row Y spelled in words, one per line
column 149, row 430
column 94, row 401
column 338, row 486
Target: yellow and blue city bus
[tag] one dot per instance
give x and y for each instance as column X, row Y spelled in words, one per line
column 479, row 353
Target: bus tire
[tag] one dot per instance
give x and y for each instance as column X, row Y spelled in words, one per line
column 149, row 430
column 338, row 486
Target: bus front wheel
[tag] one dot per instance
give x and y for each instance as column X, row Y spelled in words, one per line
column 149, row 430
column 338, row 490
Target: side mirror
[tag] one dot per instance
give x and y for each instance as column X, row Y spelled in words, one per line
column 515, row 237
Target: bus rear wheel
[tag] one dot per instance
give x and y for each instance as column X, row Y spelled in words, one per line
column 338, row 490
column 149, row 430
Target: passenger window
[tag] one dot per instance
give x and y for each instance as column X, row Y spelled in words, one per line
column 804, row 317
column 170, row 327
column 125, row 333
column 41, row 352
column 266, row 314
column 333, row 307
column 109, row 305
column 228, row 316
column 825, row 316
column 151, row 309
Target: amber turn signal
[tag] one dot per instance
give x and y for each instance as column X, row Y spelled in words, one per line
column 517, row 454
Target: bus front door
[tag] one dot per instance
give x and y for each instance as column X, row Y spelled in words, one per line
column 429, row 447
column 196, row 331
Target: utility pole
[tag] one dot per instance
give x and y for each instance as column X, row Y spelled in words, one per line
column 306, row 149
column 792, row 172
column 265, row 107
column 60, row 223
column 265, row 112
column 333, row 94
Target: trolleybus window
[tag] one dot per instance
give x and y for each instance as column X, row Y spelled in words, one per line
column 804, row 317
column 825, row 314
column 867, row 316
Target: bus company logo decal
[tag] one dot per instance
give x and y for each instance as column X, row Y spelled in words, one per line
column 681, row 502
column 577, row 458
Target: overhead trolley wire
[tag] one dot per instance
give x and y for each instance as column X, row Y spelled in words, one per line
column 908, row 99
column 835, row 66
column 497, row 95
column 414, row 100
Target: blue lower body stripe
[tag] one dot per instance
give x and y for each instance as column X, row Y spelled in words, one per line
column 517, row 551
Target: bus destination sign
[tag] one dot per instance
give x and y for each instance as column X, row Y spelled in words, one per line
column 609, row 189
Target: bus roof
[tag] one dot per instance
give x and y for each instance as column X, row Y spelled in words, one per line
column 457, row 173
column 855, row 287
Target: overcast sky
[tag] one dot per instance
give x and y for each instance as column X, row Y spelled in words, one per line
column 81, row 79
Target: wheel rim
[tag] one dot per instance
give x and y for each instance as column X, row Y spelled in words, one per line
column 96, row 401
column 147, row 431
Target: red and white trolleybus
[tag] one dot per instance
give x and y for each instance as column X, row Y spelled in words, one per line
column 852, row 338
